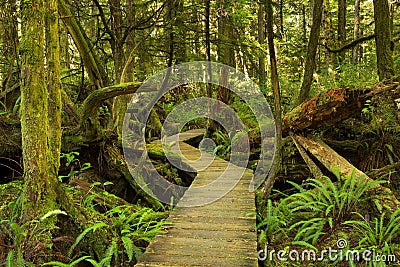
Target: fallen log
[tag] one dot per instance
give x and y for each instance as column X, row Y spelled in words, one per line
column 314, row 169
column 333, row 106
column 339, row 165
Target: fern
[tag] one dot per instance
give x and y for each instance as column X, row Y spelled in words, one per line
column 327, row 203
column 272, row 224
column 378, row 232
column 84, row 233
column 61, row 264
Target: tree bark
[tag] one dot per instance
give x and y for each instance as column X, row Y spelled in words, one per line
column 95, row 99
column 383, row 40
column 356, row 30
column 53, row 86
column 226, row 52
column 96, row 72
column 38, row 195
column 311, row 51
column 261, row 41
column 208, row 46
column 342, row 7
column 277, row 103
column 339, row 165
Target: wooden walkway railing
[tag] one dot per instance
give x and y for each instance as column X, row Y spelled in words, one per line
column 218, row 234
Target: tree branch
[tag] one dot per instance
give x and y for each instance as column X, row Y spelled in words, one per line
column 94, row 100
column 351, row 44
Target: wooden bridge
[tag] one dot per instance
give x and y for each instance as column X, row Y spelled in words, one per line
column 217, row 234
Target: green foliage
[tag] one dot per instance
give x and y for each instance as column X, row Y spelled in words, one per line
column 223, row 149
column 273, row 223
column 61, row 264
column 368, row 107
column 72, row 161
column 84, row 233
column 377, row 234
column 27, row 236
column 326, row 205
column 129, row 227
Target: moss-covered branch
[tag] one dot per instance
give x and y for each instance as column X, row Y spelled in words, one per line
column 351, row 44
column 96, row 98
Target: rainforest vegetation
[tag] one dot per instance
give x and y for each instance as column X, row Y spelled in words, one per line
column 330, row 70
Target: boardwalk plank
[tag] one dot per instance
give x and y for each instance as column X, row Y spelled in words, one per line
column 222, row 233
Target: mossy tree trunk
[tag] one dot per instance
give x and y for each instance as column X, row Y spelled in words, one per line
column 53, row 86
column 261, row 41
column 383, row 39
column 39, row 185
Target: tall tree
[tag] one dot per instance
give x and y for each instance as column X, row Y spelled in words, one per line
column 208, row 44
column 356, row 30
column 313, row 42
column 277, row 101
column 53, row 86
column 39, row 183
column 383, row 40
column 261, row 40
column 226, row 53
column 342, row 7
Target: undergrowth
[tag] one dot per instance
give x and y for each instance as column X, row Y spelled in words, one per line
column 325, row 215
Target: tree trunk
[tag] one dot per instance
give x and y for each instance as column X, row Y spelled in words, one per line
column 208, row 45
column 336, row 164
column 39, row 194
column 356, row 30
column 342, row 7
column 261, row 41
column 337, row 104
column 277, row 102
column 226, row 53
column 383, row 39
column 96, row 72
column 328, row 35
column 53, row 87
column 311, row 51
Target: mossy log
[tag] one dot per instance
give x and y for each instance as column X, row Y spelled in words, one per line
column 314, row 169
column 335, row 105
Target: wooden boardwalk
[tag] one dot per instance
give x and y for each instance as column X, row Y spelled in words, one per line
column 218, row 234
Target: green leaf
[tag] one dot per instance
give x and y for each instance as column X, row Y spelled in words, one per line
column 129, row 246
column 84, row 233
column 10, row 259
column 51, row 213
